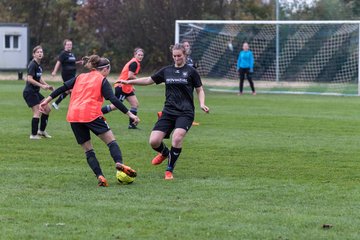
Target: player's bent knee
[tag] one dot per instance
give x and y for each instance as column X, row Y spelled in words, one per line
column 177, row 140
column 154, row 143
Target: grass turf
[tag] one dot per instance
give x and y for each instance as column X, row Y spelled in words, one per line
column 257, row 167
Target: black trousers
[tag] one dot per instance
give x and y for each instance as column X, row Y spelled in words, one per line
column 242, row 73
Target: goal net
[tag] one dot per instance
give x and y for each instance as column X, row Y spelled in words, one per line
column 301, row 57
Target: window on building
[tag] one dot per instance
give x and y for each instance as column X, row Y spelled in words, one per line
column 12, row 42
column 7, row 41
column 16, row 42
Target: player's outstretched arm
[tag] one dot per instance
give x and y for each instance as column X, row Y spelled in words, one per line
column 108, row 94
column 139, row 81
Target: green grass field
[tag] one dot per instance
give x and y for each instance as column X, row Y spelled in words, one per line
column 257, row 167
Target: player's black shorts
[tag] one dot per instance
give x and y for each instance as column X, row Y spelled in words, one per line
column 121, row 95
column 82, row 130
column 32, row 98
column 167, row 123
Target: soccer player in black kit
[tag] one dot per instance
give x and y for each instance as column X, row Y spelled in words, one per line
column 33, row 97
column 178, row 113
column 189, row 60
column 68, row 62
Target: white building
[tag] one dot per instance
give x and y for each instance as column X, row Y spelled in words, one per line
column 14, row 46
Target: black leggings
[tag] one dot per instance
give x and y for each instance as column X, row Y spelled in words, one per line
column 242, row 72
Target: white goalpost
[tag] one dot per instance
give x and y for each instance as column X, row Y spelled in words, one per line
column 298, row 57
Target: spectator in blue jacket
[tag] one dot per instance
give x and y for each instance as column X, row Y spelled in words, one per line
column 245, row 66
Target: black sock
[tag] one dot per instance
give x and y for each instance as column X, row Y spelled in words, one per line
column 115, row 152
column 163, row 149
column 34, row 125
column 60, row 98
column 93, row 162
column 43, row 122
column 174, row 155
column 133, row 111
column 106, row 109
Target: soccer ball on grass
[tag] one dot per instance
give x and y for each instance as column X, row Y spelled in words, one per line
column 123, row 178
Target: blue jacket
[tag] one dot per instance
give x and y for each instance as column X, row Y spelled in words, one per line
column 245, row 60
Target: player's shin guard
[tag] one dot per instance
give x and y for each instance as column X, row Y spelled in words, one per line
column 115, row 152
column 43, row 122
column 93, row 162
column 106, row 109
column 163, row 149
column 174, row 155
column 34, row 125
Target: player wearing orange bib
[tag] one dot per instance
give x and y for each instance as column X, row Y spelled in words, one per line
column 122, row 91
column 84, row 113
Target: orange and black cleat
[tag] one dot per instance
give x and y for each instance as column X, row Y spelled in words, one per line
column 158, row 159
column 102, row 181
column 126, row 169
column 169, row 175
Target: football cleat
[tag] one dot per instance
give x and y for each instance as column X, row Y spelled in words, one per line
column 102, row 181
column 131, row 126
column 55, row 106
column 35, row 137
column 43, row 134
column 126, row 169
column 169, row 175
column 158, row 159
